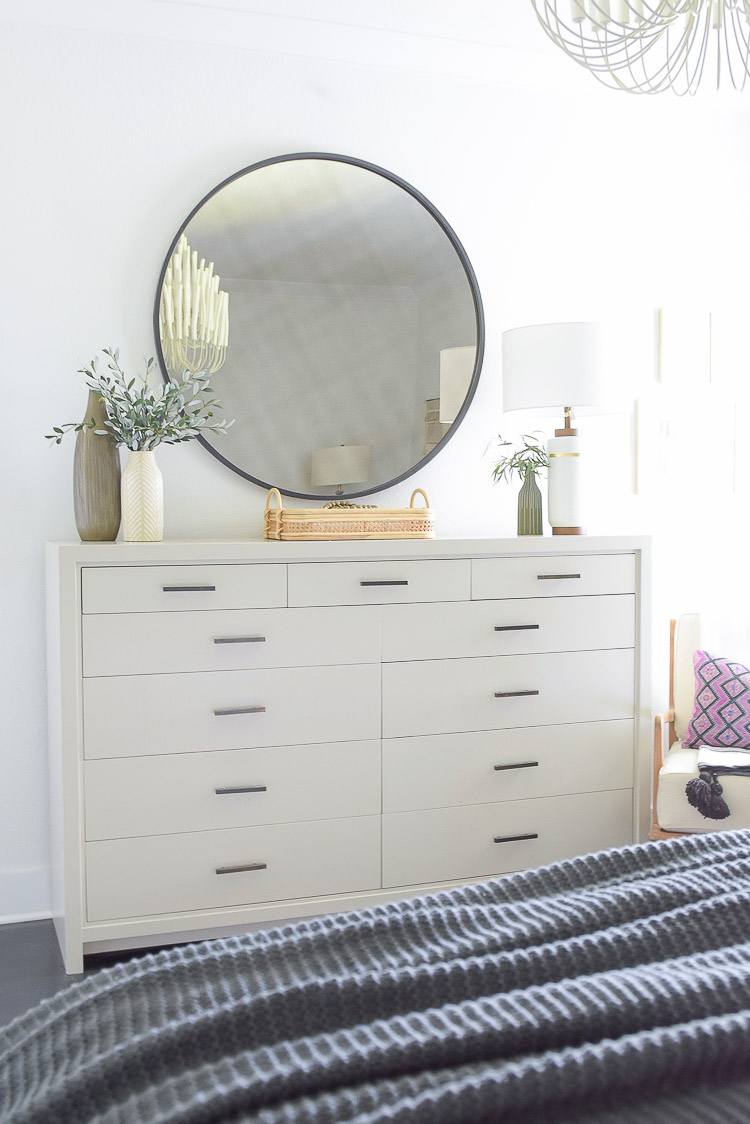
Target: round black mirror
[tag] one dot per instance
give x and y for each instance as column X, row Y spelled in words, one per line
column 340, row 315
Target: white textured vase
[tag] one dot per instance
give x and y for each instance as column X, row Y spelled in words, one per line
column 142, row 498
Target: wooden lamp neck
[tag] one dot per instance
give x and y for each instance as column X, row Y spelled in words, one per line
column 567, row 430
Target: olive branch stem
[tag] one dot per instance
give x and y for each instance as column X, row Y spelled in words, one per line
column 530, row 460
column 141, row 418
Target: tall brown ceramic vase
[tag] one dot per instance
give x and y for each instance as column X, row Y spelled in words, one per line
column 96, row 479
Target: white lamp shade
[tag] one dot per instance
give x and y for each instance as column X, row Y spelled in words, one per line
column 341, row 464
column 456, row 371
column 548, row 366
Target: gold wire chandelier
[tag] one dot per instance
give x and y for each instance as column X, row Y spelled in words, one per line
column 646, row 46
column 193, row 314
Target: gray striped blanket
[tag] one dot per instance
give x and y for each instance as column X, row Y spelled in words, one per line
column 612, row 988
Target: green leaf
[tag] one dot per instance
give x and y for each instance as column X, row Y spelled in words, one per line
column 140, row 417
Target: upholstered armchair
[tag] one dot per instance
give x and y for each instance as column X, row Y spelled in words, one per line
column 675, row 764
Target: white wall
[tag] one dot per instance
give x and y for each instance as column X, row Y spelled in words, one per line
column 569, row 201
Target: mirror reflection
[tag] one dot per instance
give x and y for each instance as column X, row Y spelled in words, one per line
column 341, row 317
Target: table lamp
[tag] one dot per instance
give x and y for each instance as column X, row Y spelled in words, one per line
column 456, row 372
column 549, row 367
column 341, row 464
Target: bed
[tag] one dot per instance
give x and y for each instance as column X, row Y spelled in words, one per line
column 614, row 987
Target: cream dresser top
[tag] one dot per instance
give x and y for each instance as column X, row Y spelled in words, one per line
column 260, row 550
column 257, row 548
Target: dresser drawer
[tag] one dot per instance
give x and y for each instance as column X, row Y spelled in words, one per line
column 129, row 796
column 448, row 844
column 499, row 692
column 559, row 576
column 151, row 589
column 443, row 770
column 379, row 583
column 486, row 628
column 139, row 715
column 216, row 640
column 175, row 873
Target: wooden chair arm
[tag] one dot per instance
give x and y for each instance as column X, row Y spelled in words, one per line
column 661, row 722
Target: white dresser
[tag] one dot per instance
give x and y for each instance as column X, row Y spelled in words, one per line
column 246, row 732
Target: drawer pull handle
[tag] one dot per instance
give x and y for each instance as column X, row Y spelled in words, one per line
column 520, row 765
column 514, row 627
column 241, row 869
column 401, row 581
column 513, row 694
column 239, row 640
column 555, row 577
column 239, row 710
column 189, row 588
column 242, row 788
column 515, row 838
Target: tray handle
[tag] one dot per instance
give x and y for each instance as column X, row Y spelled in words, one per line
column 271, row 493
column 419, row 492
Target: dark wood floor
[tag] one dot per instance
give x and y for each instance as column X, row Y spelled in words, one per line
column 31, row 966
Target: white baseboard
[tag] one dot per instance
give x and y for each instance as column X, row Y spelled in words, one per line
column 15, row 919
column 24, row 895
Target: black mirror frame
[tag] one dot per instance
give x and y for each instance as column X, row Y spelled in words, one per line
column 465, row 263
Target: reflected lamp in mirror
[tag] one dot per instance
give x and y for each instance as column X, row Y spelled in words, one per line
column 566, row 367
column 456, row 372
column 339, row 465
column 193, row 314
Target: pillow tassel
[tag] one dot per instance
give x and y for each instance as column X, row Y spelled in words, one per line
column 704, row 793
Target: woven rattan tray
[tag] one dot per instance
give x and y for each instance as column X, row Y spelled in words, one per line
column 306, row 523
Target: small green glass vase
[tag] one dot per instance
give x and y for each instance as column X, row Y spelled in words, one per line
column 530, row 507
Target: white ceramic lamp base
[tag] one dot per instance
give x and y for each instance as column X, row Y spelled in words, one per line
column 565, row 506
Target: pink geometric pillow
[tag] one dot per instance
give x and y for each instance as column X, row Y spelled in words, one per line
column 721, row 716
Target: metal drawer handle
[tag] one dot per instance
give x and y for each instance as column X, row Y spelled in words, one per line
column 515, row 838
column 399, row 582
column 239, row 640
column 520, row 765
column 242, row 788
column 514, row 627
column 189, row 588
column 513, row 694
column 239, row 710
column 241, row 869
column 555, row 577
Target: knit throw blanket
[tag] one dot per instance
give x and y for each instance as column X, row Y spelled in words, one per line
column 612, row 988
column 706, row 792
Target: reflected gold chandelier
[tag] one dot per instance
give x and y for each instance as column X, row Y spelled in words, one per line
column 646, row 46
column 193, row 314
